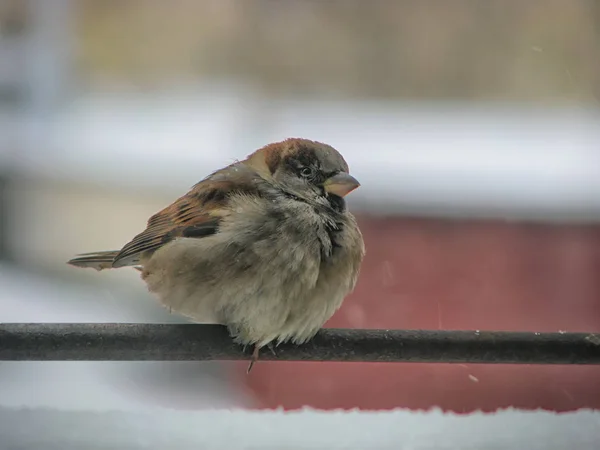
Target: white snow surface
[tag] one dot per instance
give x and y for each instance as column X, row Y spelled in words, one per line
column 305, row 429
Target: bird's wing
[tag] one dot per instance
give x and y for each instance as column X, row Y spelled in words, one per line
column 195, row 215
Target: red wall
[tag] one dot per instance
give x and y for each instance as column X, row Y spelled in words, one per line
column 445, row 274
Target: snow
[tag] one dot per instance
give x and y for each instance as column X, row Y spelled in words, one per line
column 305, row 429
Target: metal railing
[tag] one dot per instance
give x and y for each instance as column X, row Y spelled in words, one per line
column 168, row 342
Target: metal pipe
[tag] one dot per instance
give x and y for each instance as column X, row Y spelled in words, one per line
column 168, row 342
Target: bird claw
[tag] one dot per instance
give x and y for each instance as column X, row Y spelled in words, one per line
column 255, row 353
column 253, row 359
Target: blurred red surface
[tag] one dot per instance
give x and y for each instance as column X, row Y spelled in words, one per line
column 453, row 275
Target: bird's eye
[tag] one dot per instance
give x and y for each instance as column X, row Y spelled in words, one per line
column 306, row 172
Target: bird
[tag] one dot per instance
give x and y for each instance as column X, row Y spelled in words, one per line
column 265, row 246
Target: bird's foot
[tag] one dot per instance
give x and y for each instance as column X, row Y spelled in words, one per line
column 254, row 358
column 255, row 353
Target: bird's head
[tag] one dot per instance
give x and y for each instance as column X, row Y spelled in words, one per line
column 309, row 170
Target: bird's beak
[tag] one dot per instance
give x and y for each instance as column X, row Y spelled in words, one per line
column 341, row 184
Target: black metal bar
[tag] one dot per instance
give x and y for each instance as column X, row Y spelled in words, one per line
column 162, row 342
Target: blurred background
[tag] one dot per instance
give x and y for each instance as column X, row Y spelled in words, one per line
column 474, row 127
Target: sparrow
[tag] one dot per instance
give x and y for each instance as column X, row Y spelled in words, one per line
column 265, row 246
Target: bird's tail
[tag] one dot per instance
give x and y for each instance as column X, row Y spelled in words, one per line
column 95, row 260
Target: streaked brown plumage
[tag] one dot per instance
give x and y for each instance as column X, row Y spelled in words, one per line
column 264, row 246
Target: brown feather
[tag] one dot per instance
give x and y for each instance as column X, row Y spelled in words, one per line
column 196, row 214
